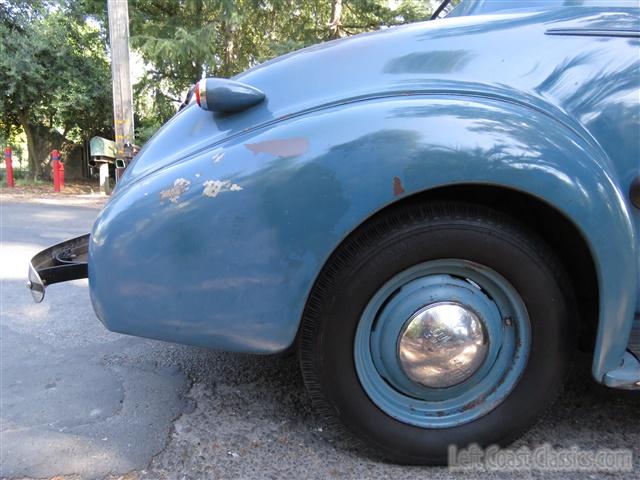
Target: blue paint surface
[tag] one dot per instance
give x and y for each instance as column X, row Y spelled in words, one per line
column 219, row 228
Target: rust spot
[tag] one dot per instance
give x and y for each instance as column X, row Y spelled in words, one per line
column 473, row 404
column 481, row 399
column 283, row 148
column 397, row 186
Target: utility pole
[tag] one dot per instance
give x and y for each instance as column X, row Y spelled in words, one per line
column 122, row 93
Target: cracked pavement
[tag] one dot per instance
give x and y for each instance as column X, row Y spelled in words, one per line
column 79, row 402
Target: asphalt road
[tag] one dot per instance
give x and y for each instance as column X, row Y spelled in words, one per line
column 78, row 401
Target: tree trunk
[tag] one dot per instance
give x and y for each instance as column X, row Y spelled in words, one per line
column 335, row 25
column 34, row 163
column 229, row 53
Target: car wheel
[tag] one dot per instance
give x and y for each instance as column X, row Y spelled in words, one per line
column 437, row 325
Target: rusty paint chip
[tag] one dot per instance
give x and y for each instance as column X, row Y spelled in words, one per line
column 212, row 188
column 172, row 194
column 397, row 186
column 283, row 148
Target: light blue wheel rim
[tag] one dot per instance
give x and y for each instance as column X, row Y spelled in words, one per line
column 479, row 289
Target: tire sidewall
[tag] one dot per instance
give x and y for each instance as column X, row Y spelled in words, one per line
column 518, row 258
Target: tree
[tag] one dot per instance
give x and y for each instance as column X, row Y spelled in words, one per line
column 186, row 39
column 182, row 41
column 56, row 82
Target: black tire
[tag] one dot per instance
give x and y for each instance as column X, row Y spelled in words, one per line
column 392, row 242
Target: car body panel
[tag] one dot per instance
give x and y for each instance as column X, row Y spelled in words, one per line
column 219, row 228
column 484, row 7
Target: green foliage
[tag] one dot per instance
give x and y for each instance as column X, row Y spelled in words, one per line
column 56, row 76
column 82, row 104
column 185, row 40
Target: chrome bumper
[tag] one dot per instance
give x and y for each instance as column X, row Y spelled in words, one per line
column 59, row 263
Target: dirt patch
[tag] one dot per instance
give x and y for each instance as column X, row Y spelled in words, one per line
column 74, row 193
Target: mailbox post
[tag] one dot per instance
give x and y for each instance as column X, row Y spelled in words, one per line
column 103, row 155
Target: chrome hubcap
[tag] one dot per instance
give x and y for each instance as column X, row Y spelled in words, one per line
column 442, row 344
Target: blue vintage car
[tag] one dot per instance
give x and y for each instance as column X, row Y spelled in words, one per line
column 433, row 216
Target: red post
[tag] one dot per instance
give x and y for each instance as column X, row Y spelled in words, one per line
column 61, row 175
column 55, row 169
column 9, row 167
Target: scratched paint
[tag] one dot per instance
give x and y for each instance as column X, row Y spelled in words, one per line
column 172, row 194
column 283, row 148
column 217, row 157
column 212, row 188
column 397, row 186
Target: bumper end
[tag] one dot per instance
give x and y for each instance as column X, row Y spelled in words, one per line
column 60, row 263
column 627, row 376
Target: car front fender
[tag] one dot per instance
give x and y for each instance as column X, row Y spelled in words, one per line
column 222, row 248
